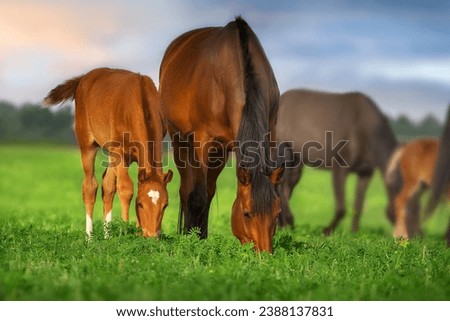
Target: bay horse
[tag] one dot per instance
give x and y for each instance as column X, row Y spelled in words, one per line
column 220, row 95
column 119, row 111
column 341, row 132
column 416, row 163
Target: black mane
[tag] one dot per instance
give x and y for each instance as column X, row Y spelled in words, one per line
column 254, row 147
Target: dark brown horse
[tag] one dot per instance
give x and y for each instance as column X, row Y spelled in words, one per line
column 220, row 94
column 345, row 133
column 119, row 111
column 440, row 184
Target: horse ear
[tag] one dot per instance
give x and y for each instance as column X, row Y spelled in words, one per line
column 243, row 175
column 277, row 175
column 168, row 176
column 142, row 175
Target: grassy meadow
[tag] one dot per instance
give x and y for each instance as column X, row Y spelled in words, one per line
column 44, row 255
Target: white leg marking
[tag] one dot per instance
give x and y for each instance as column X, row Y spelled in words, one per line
column 107, row 224
column 89, row 226
column 108, row 217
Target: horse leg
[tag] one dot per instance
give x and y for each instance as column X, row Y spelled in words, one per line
column 192, row 199
column 339, row 176
column 393, row 188
column 447, row 235
column 401, row 201
column 180, row 153
column 124, row 186
column 213, row 173
column 89, row 185
column 183, row 192
column 390, row 209
column 361, row 188
column 413, row 214
column 108, row 192
column 290, row 179
column 197, row 200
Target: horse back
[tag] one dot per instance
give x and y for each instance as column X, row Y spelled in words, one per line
column 306, row 116
column 419, row 159
column 111, row 102
column 202, row 81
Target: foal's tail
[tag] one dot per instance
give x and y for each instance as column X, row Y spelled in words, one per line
column 62, row 92
column 393, row 165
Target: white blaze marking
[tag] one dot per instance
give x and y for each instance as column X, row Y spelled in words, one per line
column 89, row 225
column 154, row 195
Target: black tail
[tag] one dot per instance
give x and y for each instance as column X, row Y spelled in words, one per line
column 441, row 177
column 62, row 92
column 254, row 149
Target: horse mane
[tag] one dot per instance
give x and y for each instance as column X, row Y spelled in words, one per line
column 254, row 147
column 385, row 142
column 441, row 176
column 154, row 122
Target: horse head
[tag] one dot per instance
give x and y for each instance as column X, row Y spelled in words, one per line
column 248, row 221
column 151, row 201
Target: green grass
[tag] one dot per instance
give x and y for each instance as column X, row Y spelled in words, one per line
column 44, row 255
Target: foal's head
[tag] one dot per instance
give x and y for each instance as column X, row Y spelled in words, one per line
column 151, row 201
column 254, row 217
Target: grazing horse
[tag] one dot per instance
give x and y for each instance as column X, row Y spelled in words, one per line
column 220, row 95
column 119, row 111
column 441, row 178
column 345, row 133
column 415, row 161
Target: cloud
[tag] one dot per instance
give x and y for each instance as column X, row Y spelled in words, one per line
column 55, row 27
column 43, row 40
column 46, row 42
column 436, row 70
column 395, row 52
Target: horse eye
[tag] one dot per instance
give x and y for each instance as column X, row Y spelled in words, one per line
column 139, row 204
column 247, row 215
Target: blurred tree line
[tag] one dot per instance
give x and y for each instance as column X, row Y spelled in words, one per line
column 405, row 129
column 30, row 123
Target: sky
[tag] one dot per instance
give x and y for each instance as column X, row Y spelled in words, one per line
column 397, row 52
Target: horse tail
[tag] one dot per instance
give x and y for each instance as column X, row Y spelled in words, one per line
column 62, row 92
column 393, row 165
column 441, row 176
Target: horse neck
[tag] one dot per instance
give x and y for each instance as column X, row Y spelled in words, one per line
column 153, row 162
column 384, row 145
column 383, row 155
column 154, row 131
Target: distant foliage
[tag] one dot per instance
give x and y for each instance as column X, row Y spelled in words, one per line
column 31, row 123
column 405, row 129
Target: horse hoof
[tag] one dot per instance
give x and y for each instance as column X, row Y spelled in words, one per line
column 327, row 231
column 400, row 233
